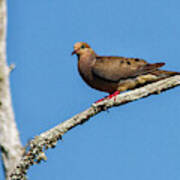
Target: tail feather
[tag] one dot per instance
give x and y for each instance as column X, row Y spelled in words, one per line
column 164, row 74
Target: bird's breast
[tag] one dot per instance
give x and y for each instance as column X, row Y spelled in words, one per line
column 85, row 70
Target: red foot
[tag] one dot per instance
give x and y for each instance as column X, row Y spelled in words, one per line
column 109, row 97
column 100, row 100
column 114, row 94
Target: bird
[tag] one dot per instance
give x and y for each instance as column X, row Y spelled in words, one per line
column 115, row 74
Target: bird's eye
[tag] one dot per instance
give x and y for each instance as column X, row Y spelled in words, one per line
column 83, row 46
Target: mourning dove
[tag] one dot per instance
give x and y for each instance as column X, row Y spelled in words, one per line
column 115, row 74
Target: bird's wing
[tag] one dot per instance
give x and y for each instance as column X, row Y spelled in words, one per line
column 117, row 68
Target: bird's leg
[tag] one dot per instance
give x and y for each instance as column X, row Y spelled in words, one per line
column 113, row 94
column 109, row 97
column 100, row 100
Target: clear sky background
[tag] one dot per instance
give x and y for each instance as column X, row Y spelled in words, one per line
column 137, row 141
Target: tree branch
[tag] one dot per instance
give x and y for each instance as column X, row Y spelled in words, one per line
column 10, row 145
column 49, row 138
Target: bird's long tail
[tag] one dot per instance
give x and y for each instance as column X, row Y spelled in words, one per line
column 164, row 74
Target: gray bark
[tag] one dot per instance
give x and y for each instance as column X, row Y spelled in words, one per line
column 10, row 145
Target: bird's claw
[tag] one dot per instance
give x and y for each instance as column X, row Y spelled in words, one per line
column 109, row 97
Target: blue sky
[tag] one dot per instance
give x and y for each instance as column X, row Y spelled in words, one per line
column 137, row 141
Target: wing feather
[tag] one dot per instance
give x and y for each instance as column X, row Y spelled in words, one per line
column 117, row 68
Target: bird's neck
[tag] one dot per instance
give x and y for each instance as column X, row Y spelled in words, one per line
column 87, row 58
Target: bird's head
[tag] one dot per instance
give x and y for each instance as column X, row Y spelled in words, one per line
column 81, row 48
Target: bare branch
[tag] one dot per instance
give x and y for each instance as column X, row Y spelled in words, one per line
column 10, row 145
column 49, row 138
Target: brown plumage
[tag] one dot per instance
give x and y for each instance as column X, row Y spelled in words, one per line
column 112, row 74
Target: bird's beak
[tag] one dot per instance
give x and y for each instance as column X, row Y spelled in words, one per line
column 74, row 52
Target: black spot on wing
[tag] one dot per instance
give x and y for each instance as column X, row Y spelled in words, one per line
column 121, row 62
column 137, row 59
